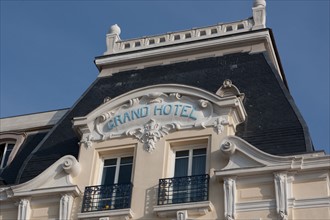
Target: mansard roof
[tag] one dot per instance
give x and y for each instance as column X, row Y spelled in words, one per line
column 273, row 124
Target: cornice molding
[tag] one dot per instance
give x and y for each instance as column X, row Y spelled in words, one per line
column 258, row 41
column 245, row 159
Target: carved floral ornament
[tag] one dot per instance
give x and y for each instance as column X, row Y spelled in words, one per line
column 151, row 117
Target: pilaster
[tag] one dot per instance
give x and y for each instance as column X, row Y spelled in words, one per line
column 229, row 187
column 24, row 209
column 281, row 190
column 65, row 206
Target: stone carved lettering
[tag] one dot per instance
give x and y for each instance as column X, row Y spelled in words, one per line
column 151, row 117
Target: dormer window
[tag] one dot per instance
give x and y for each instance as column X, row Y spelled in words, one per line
column 5, row 149
column 9, row 145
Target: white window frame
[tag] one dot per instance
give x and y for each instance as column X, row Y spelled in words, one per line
column 118, row 157
column 5, row 153
column 187, row 144
column 11, row 138
column 190, row 157
column 117, row 167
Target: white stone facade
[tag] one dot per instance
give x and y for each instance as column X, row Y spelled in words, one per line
column 150, row 125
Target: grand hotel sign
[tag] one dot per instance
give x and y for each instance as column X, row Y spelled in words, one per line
column 149, row 114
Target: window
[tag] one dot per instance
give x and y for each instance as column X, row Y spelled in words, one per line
column 202, row 33
column 190, row 162
column 117, row 170
column 116, row 188
column 9, row 145
column 188, row 35
column 190, row 181
column 137, row 43
column 5, row 150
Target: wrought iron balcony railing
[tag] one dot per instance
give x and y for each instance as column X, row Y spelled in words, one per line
column 107, row 197
column 183, row 189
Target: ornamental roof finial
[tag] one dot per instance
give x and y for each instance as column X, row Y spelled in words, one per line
column 259, row 14
column 257, row 3
column 114, row 29
column 112, row 38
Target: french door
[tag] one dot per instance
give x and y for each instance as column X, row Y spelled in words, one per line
column 189, row 165
column 116, row 183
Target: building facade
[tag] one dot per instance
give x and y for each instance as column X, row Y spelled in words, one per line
column 194, row 124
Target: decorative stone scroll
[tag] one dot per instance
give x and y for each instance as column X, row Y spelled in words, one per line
column 151, row 117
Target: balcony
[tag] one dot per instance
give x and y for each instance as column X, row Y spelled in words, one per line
column 107, row 197
column 190, row 193
column 183, row 189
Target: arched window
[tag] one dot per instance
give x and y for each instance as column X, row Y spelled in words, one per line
column 9, row 145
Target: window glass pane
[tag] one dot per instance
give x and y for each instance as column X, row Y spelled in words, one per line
column 125, row 173
column 181, row 167
column 126, row 160
column 5, row 158
column 198, row 165
column 110, row 162
column 184, row 153
column 108, row 176
column 2, row 151
column 199, row 151
column 5, row 150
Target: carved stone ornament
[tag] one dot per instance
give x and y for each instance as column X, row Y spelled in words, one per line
column 280, row 180
column 229, row 186
column 150, row 117
column 24, row 209
column 151, row 133
column 220, row 123
column 229, row 89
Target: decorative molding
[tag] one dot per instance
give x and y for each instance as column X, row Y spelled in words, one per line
column 71, row 166
column 125, row 214
column 255, row 205
column 309, row 203
column 151, row 133
column 115, row 45
column 65, row 207
column 150, row 117
column 182, row 215
column 218, row 46
column 229, row 187
column 194, row 209
column 281, row 190
column 24, row 209
column 245, row 159
column 59, row 178
column 26, row 122
column 220, row 124
column 227, row 148
column 259, row 14
column 228, row 89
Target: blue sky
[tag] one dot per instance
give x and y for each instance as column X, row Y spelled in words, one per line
column 48, row 47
